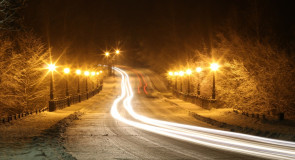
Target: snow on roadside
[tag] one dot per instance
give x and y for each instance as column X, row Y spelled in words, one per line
column 226, row 119
column 38, row 136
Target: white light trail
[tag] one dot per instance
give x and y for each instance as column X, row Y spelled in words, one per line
column 237, row 142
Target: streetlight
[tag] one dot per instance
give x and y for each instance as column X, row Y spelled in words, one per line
column 107, row 54
column 181, row 73
column 176, row 78
column 97, row 73
column 188, row 72
column 214, row 67
column 117, row 52
column 67, row 71
column 86, row 73
column 78, row 72
column 92, row 86
column 51, row 68
column 199, row 70
column 170, row 74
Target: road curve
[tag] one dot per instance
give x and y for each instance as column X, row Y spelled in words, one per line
column 113, row 130
column 240, row 143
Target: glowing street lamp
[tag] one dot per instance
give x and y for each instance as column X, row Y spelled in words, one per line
column 188, row 72
column 78, row 72
column 107, row 54
column 199, row 70
column 86, row 73
column 51, row 68
column 170, row 73
column 181, row 73
column 214, row 67
column 67, row 71
column 117, row 52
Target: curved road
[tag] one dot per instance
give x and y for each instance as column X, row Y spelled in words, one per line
column 116, row 129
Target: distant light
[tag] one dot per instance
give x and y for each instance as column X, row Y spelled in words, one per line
column 67, row 70
column 176, row 73
column 51, row 67
column 78, row 71
column 97, row 73
column 214, row 66
column 199, row 69
column 181, row 73
column 170, row 73
column 93, row 73
column 117, row 52
column 86, row 73
column 188, row 71
column 100, row 71
column 107, row 54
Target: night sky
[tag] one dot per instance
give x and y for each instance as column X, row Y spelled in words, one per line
column 83, row 29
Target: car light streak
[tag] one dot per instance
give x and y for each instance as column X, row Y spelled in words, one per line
column 237, row 142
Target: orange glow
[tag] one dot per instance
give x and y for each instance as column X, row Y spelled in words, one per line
column 181, row 73
column 214, row 66
column 51, row 67
column 78, row 71
column 67, row 70
column 189, row 71
column 86, row 73
column 199, row 69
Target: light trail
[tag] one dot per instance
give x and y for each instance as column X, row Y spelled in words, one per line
column 236, row 142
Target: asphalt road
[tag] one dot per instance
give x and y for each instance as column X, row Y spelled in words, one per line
column 98, row 135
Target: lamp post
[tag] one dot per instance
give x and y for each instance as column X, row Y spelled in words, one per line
column 188, row 72
column 107, row 54
column 92, row 86
column 97, row 73
column 176, row 78
column 214, row 67
column 67, row 71
column 170, row 74
column 199, row 70
column 51, row 68
column 116, row 59
column 181, row 73
column 86, row 73
column 78, row 72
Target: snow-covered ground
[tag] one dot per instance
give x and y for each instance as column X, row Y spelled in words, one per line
column 52, row 135
column 224, row 118
column 39, row 136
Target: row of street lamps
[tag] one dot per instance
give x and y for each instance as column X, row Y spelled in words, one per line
column 52, row 68
column 214, row 67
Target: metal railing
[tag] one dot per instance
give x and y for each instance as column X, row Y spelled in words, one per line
column 57, row 104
